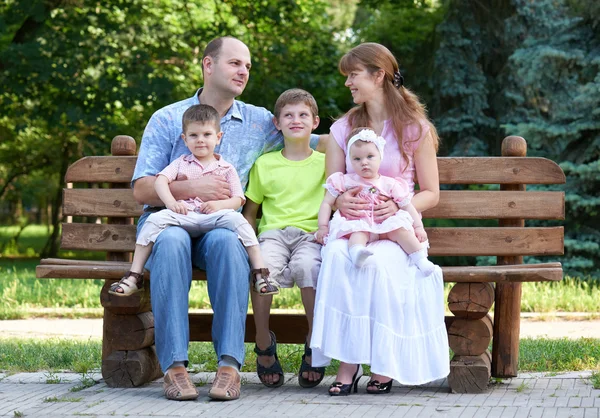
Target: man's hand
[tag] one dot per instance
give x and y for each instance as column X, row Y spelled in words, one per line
column 420, row 233
column 207, row 188
column 321, row 233
column 211, row 207
column 384, row 210
column 178, row 207
column 350, row 205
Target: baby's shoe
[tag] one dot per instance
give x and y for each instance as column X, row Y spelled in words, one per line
column 419, row 258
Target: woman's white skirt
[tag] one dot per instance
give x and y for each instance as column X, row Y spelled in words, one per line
column 386, row 314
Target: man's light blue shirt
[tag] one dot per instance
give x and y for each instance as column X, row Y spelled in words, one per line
column 248, row 132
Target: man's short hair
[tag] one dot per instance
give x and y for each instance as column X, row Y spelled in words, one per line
column 213, row 48
column 201, row 113
column 295, row 96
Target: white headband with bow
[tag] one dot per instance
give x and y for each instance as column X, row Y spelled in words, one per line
column 367, row 135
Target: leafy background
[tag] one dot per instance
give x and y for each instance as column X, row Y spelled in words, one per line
column 75, row 73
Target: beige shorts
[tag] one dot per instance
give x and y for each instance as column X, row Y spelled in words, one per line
column 292, row 255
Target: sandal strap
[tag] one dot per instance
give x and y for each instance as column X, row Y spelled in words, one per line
column 138, row 276
column 124, row 282
column 274, row 368
column 270, row 350
column 305, row 367
column 374, row 383
column 307, row 350
column 264, row 272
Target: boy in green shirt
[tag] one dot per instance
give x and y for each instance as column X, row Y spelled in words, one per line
column 289, row 186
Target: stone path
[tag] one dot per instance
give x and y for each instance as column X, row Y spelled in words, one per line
column 66, row 395
column 531, row 395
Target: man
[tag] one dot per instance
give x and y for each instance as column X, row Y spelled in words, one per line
column 248, row 132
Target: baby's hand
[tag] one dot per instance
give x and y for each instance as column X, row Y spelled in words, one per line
column 321, row 233
column 178, row 207
column 420, row 233
column 210, row 207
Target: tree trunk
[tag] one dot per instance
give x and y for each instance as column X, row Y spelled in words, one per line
column 52, row 245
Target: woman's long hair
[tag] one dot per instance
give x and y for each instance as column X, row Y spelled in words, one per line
column 401, row 103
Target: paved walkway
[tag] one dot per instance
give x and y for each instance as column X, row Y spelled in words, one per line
column 531, row 326
column 64, row 394
column 531, row 395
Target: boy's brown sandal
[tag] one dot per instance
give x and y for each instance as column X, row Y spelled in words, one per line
column 127, row 286
column 264, row 286
column 227, row 384
column 179, row 387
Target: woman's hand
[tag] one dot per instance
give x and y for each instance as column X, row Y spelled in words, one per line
column 350, row 205
column 384, row 210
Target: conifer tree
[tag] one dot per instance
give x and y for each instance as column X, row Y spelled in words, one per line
column 553, row 100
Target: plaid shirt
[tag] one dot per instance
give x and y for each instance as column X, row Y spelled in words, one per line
column 187, row 167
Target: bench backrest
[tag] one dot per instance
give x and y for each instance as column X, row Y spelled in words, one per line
column 511, row 205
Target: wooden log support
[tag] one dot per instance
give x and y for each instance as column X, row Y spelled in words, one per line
column 470, row 374
column 471, row 300
column 130, row 305
column 507, row 312
column 134, row 367
column 130, row 332
column 470, row 337
column 127, row 369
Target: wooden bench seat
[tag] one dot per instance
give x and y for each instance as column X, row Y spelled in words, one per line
column 105, row 211
column 114, row 270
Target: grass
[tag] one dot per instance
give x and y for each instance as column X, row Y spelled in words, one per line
column 25, row 296
column 595, row 379
column 29, row 355
column 556, row 355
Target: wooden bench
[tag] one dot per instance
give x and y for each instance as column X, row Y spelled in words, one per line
column 128, row 356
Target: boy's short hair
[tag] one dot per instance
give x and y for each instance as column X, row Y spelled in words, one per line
column 294, row 96
column 201, row 113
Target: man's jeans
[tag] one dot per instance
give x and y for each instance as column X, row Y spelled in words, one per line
column 225, row 261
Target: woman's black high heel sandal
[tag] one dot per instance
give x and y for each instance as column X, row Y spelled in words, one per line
column 375, row 387
column 345, row 388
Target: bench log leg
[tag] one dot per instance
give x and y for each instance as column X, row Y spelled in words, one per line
column 470, row 374
column 128, row 353
column 469, row 336
column 507, row 312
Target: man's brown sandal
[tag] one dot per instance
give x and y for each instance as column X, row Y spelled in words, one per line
column 128, row 287
column 179, row 387
column 264, row 286
column 227, row 384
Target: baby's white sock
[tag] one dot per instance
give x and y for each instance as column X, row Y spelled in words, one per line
column 359, row 254
column 419, row 258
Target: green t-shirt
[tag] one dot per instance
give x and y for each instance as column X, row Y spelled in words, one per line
column 290, row 192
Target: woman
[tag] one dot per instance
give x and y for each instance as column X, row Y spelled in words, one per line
column 387, row 314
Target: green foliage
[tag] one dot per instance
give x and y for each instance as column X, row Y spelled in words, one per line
column 407, row 28
column 52, row 354
column 29, row 355
column 529, row 69
column 552, row 100
column 77, row 73
column 468, row 62
column 292, row 45
column 546, row 355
